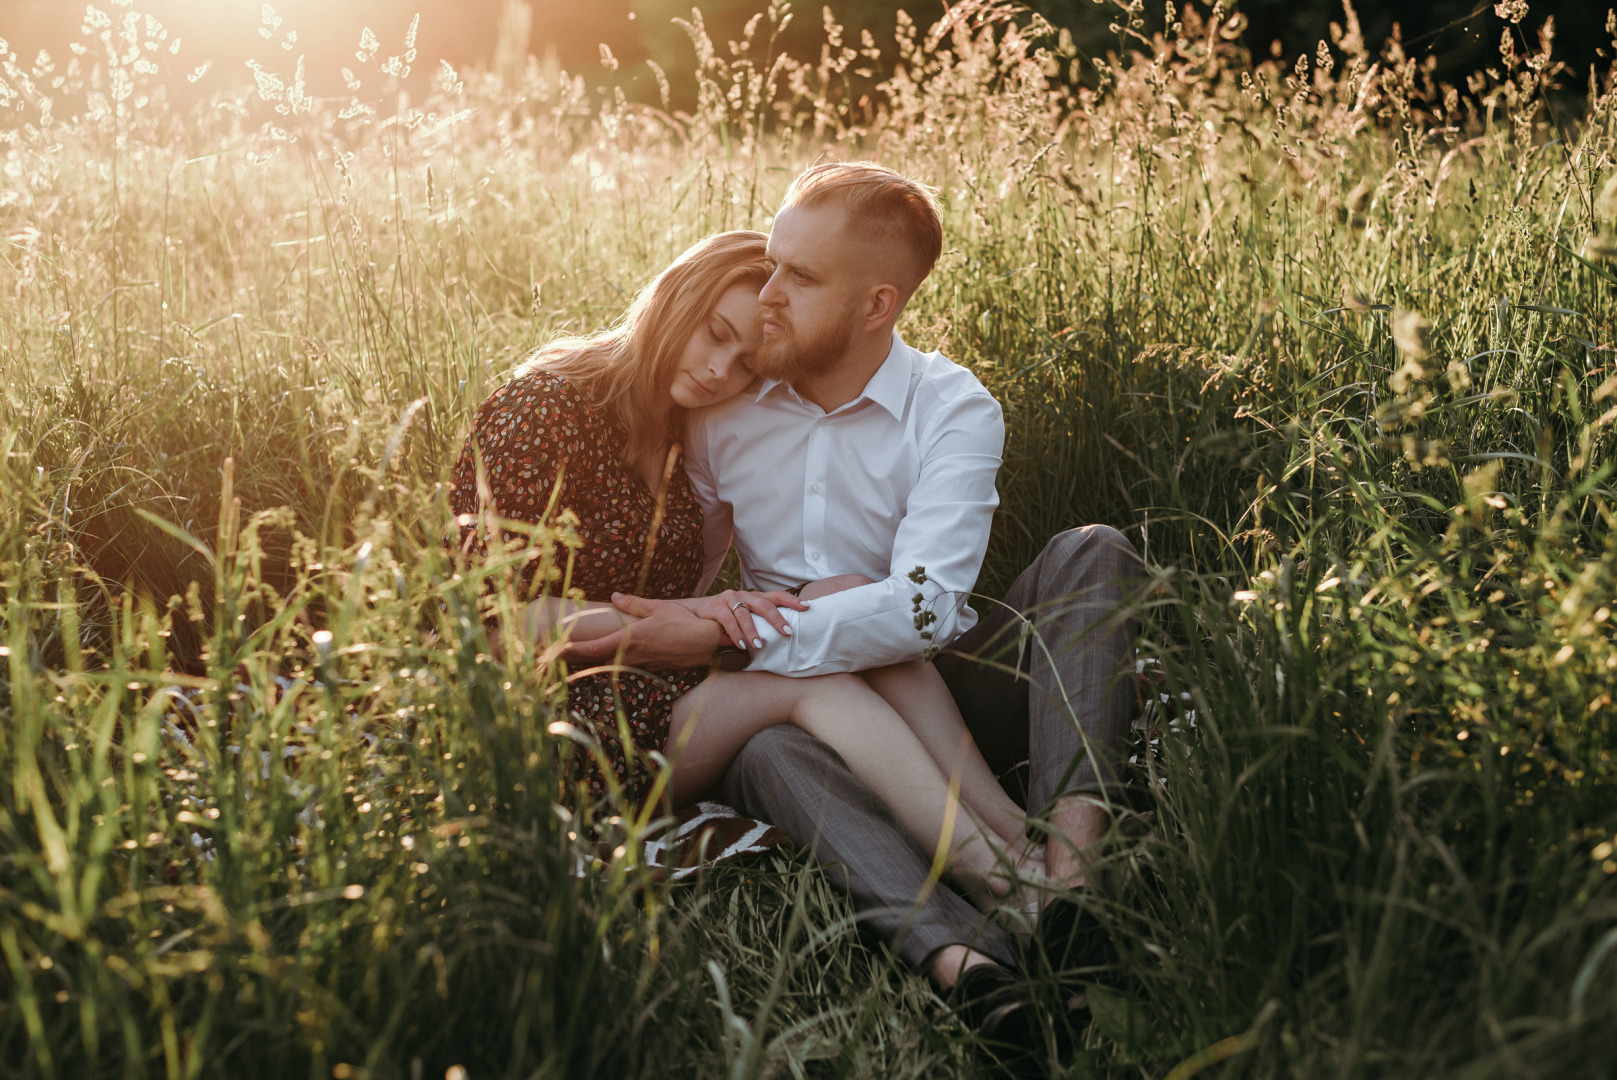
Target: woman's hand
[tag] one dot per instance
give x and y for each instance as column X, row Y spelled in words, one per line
column 734, row 610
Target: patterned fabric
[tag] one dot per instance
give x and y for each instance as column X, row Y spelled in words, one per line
column 535, row 433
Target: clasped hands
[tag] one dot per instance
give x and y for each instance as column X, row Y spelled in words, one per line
column 663, row 634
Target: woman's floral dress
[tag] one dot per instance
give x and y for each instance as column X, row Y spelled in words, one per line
column 533, row 429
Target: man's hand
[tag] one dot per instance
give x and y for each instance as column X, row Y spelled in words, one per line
column 665, row 635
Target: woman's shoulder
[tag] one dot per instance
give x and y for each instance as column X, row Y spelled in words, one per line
column 541, row 394
column 543, row 384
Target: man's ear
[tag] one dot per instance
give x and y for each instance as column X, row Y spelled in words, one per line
column 882, row 305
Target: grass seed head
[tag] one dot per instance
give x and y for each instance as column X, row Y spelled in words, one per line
column 1352, row 210
column 1411, row 333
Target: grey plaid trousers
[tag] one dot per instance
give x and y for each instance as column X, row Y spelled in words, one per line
column 1019, row 694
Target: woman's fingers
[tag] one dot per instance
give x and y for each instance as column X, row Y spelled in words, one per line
column 749, row 629
column 732, row 627
column 783, row 598
column 738, row 607
column 732, row 610
column 735, row 610
column 760, row 604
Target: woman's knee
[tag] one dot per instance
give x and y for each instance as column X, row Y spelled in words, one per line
column 830, row 699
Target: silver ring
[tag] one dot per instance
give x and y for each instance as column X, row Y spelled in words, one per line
column 738, row 604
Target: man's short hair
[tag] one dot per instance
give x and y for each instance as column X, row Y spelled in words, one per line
column 876, row 197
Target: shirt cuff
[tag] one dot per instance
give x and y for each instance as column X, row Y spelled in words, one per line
column 776, row 655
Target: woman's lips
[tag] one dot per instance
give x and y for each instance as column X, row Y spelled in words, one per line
column 703, row 390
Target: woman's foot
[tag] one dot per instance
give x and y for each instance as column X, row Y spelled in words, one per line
column 1013, row 882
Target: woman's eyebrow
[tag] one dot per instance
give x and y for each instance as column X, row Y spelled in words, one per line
column 727, row 323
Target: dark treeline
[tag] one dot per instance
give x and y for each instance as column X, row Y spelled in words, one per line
column 1459, row 36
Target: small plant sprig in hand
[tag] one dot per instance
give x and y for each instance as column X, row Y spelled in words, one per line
column 924, row 615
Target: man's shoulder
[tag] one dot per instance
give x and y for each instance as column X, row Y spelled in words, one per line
column 945, row 382
column 715, row 417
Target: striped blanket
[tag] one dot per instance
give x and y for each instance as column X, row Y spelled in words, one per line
column 709, row 833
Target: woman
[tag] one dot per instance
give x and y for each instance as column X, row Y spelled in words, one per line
column 592, row 425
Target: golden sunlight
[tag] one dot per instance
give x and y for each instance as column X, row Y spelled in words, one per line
column 226, row 34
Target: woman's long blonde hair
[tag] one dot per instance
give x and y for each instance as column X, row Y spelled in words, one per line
column 630, row 367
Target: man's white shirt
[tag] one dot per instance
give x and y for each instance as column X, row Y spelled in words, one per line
column 900, row 477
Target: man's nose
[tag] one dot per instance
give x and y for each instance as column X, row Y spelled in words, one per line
column 771, row 295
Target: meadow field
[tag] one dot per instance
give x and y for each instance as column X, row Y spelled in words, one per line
column 1334, row 345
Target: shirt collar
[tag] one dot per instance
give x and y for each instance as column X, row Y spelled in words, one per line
column 889, row 387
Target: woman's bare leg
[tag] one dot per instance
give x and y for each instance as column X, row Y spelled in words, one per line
column 713, row 721
column 918, row 693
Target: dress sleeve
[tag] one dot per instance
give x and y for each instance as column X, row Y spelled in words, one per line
column 526, row 435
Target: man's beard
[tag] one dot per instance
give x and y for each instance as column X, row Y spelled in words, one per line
column 789, row 357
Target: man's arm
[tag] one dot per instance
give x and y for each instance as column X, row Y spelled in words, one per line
column 945, row 529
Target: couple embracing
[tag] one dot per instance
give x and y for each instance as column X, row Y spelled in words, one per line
column 757, row 394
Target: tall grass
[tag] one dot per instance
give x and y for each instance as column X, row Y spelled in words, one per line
column 1330, row 342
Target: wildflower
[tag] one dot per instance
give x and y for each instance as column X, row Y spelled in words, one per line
column 1513, row 11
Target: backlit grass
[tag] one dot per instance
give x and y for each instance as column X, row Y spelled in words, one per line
column 1333, row 345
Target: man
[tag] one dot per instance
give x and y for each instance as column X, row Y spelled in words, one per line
column 860, row 455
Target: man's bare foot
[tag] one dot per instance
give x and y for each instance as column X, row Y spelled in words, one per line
column 1001, row 876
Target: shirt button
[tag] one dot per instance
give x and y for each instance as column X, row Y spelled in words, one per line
column 814, row 556
column 815, row 488
column 821, row 422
